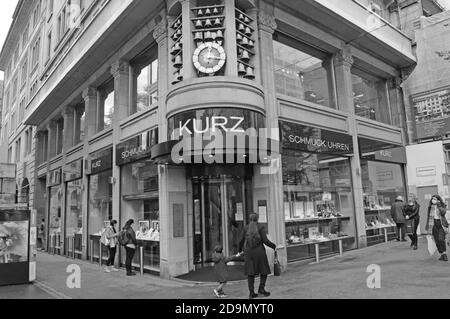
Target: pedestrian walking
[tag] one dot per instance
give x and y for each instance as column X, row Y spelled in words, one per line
column 412, row 215
column 111, row 238
column 130, row 245
column 252, row 243
column 436, row 215
column 41, row 235
column 398, row 215
column 220, row 267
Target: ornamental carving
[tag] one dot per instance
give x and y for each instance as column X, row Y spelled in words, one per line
column 89, row 92
column 267, row 20
column 120, row 67
column 160, row 30
column 406, row 72
column 343, row 57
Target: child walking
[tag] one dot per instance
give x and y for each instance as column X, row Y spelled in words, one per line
column 220, row 266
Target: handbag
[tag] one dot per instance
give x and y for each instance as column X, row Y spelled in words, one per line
column 276, row 266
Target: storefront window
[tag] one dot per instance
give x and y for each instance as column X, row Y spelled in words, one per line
column 382, row 183
column 303, row 73
column 106, row 110
column 100, row 201
column 55, row 222
column 140, row 202
column 74, row 216
column 370, row 97
column 318, row 204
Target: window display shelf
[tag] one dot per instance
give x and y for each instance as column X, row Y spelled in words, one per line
column 313, row 242
column 313, row 220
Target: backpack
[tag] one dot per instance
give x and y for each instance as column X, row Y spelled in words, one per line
column 252, row 240
column 103, row 239
column 123, row 237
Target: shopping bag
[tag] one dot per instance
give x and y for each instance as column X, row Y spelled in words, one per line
column 431, row 245
column 276, row 266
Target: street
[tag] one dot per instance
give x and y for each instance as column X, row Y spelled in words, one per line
column 405, row 274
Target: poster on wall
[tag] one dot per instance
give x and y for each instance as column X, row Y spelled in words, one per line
column 262, row 212
column 13, row 241
column 432, row 113
column 239, row 212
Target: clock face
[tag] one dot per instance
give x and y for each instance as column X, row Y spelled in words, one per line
column 209, row 57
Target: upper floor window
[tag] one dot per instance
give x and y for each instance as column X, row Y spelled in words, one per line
column 106, row 105
column 37, row 14
column 59, row 136
column 303, row 72
column 49, row 7
column 24, row 76
column 145, row 80
column 18, row 150
column 21, row 111
column 14, row 89
column 370, row 97
column 35, row 54
column 10, row 155
column 80, row 120
column 25, row 37
column 28, row 141
column 7, row 101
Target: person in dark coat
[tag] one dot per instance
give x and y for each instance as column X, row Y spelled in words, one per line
column 398, row 215
column 412, row 214
column 436, row 212
column 130, row 247
column 220, row 267
column 252, row 243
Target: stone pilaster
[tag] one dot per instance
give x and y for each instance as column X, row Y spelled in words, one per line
column 52, row 128
column 273, row 182
column 69, row 128
column 90, row 98
column 343, row 61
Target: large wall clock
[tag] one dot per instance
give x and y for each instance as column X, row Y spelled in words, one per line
column 209, row 58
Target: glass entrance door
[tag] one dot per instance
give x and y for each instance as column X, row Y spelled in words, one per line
column 219, row 216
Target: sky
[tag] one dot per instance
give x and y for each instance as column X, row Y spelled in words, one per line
column 7, row 10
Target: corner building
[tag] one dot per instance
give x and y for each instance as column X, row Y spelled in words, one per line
column 120, row 86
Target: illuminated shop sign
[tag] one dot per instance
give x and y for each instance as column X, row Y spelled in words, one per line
column 101, row 161
column 136, row 148
column 392, row 155
column 315, row 140
column 205, row 121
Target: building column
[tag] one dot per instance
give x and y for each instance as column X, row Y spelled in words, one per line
column 407, row 107
column 52, row 129
column 90, row 99
column 120, row 70
column 69, row 128
column 273, row 181
column 90, row 128
column 343, row 62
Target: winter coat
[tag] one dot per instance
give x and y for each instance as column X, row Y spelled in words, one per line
column 255, row 258
column 413, row 211
column 397, row 212
column 220, row 267
column 442, row 211
column 111, row 236
column 131, row 236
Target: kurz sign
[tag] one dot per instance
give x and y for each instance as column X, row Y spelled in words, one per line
column 315, row 140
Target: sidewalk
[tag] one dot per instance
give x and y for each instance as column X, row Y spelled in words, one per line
column 404, row 274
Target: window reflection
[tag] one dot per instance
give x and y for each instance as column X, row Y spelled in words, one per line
column 301, row 75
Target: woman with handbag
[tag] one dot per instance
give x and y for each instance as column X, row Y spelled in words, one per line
column 436, row 213
column 252, row 242
column 111, row 236
column 412, row 214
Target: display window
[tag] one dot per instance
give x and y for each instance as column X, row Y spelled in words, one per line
column 318, row 204
column 100, row 208
column 74, row 215
column 382, row 183
column 140, row 202
column 55, row 221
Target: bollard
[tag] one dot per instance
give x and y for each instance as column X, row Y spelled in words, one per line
column 386, row 238
column 316, row 246
column 100, row 253
column 341, row 249
column 91, row 250
column 141, row 259
column 73, row 247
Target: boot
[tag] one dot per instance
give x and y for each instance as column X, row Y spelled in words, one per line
column 443, row 257
column 252, row 295
column 263, row 292
column 412, row 240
